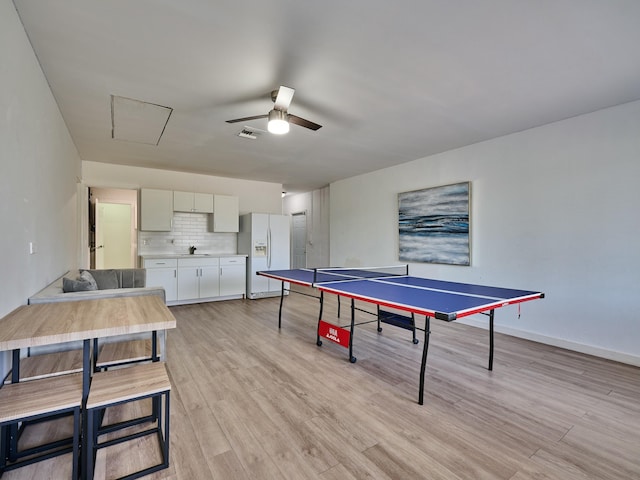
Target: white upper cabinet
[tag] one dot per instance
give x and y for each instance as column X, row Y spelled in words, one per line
column 192, row 202
column 203, row 202
column 226, row 214
column 156, row 210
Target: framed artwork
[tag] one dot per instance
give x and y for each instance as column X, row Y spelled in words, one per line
column 433, row 225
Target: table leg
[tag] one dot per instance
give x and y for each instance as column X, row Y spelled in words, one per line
column 95, row 355
column 281, row 302
column 15, row 365
column 154, row 346
column 86, row 382
column 352, row 359
column 491, row 340
column 162, row 336
column 12, row 430
column 423, row 365
column 318, row 341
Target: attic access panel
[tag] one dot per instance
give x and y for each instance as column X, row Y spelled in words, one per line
column 137, row 121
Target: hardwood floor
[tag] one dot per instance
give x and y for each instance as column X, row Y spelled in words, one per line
column 252, row 402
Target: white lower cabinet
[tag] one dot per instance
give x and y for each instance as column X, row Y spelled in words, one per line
column 209, row 281
column 163, row 273
column 233, row 273
column 198, row 278
column 188, row 282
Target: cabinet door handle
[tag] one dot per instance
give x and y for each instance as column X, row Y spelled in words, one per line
column 175, row 273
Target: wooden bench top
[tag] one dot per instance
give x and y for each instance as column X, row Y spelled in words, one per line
column 47, row 395
column 49, row 365
column 114, row 353
column 128, row 383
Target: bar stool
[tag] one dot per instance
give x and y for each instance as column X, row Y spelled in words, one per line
column 119, row 386
column 48, row 365
column 125, row 352
column 34, row 400
column 35, row 367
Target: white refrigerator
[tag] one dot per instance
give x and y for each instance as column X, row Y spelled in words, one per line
column 265, row 239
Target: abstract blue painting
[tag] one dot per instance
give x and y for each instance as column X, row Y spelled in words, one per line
column 433, row 225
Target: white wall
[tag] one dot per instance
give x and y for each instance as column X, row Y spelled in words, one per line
column 555, row 208
column 262, row 197
column 39, row 170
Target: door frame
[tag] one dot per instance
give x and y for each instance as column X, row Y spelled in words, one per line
column 107, row 195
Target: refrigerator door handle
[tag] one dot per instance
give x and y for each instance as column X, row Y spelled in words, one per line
column 269, row 248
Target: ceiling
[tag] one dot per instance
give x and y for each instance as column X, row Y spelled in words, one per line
column 389, row 82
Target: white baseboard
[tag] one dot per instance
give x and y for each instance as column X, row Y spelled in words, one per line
column 558, row 342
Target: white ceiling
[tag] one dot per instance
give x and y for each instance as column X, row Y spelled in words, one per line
column 389, row 81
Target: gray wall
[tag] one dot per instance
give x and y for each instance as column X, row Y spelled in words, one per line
column 39, row 174
column 554, row 208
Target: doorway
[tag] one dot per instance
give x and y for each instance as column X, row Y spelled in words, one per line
column 299, row 240
column 112, row 228
column 113, row 235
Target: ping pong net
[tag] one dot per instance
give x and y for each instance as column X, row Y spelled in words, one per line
column 345, row 274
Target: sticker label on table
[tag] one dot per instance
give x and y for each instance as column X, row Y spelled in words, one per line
column 334, row 333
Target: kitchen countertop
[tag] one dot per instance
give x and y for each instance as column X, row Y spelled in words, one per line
column 195, row 255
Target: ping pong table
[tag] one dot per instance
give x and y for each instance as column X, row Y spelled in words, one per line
column 392, row 287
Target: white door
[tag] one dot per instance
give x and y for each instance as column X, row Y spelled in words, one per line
column 299, row 240
column 113, row 235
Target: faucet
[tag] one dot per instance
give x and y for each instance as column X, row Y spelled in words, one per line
column 192, row 249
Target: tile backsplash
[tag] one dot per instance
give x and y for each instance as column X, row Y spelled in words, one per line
column 188, row 229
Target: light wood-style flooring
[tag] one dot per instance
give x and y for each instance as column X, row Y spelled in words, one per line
column 251, row 402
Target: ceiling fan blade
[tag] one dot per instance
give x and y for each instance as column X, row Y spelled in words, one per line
column 303, row 123
column 283, row 100
column 246, row 119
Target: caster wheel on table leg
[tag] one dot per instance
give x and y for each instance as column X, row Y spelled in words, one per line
column 319, row 343
column 379, row 329
column 353, row 359
column 416, row 341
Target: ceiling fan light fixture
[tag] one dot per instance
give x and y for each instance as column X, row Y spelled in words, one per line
column 278, row 122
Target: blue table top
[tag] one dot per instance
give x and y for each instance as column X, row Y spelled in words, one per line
column 440, row 299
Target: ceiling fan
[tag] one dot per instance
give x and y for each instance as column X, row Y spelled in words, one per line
column 279, row 118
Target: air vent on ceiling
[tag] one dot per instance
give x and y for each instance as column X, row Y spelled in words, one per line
column 248, row 133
